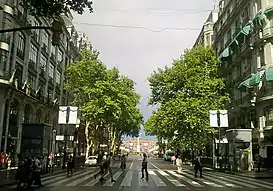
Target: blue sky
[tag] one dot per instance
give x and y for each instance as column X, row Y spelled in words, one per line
column 153, row 38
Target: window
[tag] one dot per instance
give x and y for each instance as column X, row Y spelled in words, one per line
column 33, row 53
column 268, row 113
column 53, row 50
column 51, row 70
column 45, row 39
column 21, row 45
column 58, row 77
column 31, row 79
column 35, row 22
column 50, row 94
column 60, row 55
column 43, row 62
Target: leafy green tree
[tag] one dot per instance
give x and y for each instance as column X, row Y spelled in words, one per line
column 107, row 101
column 51, row 8
column 185, row 93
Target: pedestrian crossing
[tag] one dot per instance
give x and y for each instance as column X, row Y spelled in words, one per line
column 158, row 178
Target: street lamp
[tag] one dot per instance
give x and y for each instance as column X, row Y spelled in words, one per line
column 219, row 129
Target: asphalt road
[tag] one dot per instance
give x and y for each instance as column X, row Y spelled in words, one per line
column 162, row 177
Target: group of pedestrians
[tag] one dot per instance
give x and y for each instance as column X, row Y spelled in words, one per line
column 29, row 171
column 197, row 164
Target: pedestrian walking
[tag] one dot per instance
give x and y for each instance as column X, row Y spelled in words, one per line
column 69, row 165
column 37, row 171
column 179, row 164
column 123, row 162
column 109, row 162
column 101, row 161
column 198, row 166
column 144, row 167
column 173, row 159
column 259, row 162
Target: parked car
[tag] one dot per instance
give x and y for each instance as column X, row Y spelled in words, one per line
column 91, row 161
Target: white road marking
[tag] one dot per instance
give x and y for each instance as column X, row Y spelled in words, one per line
column 132, row 164
column 81, row 180
column 219, row 181
column 157, row 180
column 236, row 181
column 171, row 179
column 48, row 181
column 249, row 182
column 204, row 181
column 115, row 177
column 191, row 182
column 142, row 182
column 94, row 181
column 128, row 178
column 58, row 183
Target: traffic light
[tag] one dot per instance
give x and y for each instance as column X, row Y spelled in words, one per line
column 57, row 30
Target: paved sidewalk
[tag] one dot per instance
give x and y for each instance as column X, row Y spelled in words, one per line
column 7, row 177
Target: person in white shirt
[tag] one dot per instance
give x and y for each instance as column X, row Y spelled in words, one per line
column 37, row 171
column 179, row 164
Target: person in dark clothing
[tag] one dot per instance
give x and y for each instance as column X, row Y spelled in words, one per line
column 259, row 162
column 69, row 165
column 103, row 165
column 144, row 167
column 198, row 166
column 21, row 175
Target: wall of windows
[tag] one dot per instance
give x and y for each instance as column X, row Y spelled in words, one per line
column 33, row 53
column 32, row 80
column 58, row 77
column 45, row 40
column 21, row 45
column 43, row 62
column 51, row 70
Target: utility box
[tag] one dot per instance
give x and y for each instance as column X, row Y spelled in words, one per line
column 36, row 140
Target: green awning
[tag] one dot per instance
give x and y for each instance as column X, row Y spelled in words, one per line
column 224, row 54
column 246, row 30
column 233, row 45
column 250, row 82
column 255, row 79
column 268, row 10
column 269, row 74
column 259, row 19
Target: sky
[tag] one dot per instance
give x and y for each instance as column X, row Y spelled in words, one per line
column 139, row 36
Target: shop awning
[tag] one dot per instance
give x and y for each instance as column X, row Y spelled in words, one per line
column 269, row 74
column 259, row 19
column 268, row 11
column 224, row 54
column 250, row 82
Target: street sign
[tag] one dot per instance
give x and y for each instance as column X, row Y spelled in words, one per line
column 223, row 118
column 62, row 114
column 223, row 115
column 68, row 115
column 213, row 118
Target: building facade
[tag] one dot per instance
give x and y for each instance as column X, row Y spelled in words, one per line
column 206, row 35
column 32, row 74
column 243, row 41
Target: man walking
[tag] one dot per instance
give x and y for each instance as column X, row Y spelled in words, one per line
column 198, row 166
column 109, row 158
column 144, row 167
column 69, row 165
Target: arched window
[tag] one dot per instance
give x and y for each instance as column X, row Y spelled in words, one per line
column 39, row 116
column 21, row 45
column 47, row 118
column 27, row 113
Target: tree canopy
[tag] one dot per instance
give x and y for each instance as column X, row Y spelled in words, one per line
column 185, row 92
column 50, row 8
column 107, row 100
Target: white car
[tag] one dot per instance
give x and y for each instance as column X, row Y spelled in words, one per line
column 92, row 161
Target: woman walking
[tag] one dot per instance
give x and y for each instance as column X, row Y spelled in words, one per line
column 179, row 164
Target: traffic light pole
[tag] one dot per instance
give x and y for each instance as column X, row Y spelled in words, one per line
column 65, row 137
column 219, row 136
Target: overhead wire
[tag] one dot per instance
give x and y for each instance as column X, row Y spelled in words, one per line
column 139, row 27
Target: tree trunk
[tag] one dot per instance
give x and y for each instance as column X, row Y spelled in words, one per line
column 88, row 139
column 113, row 141
column 87, row 151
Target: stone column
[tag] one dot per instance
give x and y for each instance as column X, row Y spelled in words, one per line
column 2, row 113
column 19, row 125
